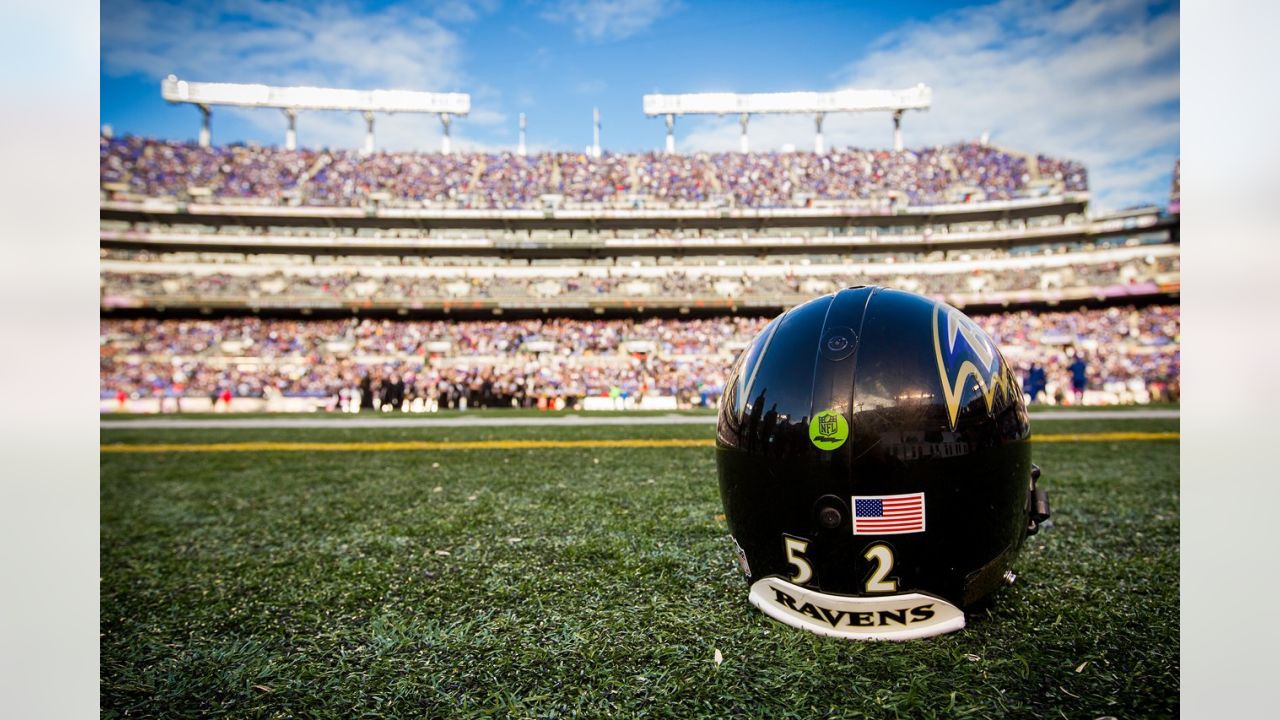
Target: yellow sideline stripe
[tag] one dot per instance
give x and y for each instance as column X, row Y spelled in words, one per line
column 1106, row 437
column 519, row 444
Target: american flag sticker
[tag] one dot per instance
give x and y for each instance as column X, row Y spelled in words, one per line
column 888, row 514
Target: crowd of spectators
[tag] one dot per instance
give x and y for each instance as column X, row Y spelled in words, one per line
column 1123, row 350
column 354, row 286
column 278, row 338
column 955, row 173
column 321, row 358
column 536, row 362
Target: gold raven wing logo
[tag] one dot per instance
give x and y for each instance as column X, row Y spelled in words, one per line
column 963, row 350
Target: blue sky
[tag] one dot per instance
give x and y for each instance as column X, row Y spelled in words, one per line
column 1091, row 80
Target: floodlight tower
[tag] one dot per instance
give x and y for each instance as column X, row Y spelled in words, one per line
column 205, row 134
column 368, row 135
column 446, row 144
column 595, row 132
column 293, row 100
column 817, row 104
column 291, row 135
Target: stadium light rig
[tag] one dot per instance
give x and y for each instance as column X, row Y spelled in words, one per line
column 292, row 100
column 818, row 104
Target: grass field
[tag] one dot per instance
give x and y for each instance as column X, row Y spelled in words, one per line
column 587, row 582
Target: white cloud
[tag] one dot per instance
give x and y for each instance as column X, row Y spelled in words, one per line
column 322, row 44
column 486, row 116
column 259, row 41
column 1091, row 81
column 591, row 87
column 600, row 20
column 463, row 11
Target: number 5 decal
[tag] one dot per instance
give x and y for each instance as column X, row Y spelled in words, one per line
column 795, row 549
column 882, row 556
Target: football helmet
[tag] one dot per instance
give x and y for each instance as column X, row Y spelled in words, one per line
column 874, row 459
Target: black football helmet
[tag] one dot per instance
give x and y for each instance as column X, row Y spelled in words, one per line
column 875, row 466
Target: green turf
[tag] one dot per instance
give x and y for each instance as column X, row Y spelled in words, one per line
column 588, row 583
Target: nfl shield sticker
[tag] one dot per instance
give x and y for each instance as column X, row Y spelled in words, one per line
column 828, row 430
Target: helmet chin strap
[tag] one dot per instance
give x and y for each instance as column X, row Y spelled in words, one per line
column 1037, row 503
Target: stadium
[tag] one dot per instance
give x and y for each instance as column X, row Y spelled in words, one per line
column 405, row 433
column 672, row 275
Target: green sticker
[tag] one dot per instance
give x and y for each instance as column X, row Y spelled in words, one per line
column 828, row 430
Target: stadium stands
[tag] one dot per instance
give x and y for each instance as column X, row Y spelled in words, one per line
column 209, row 255
column 1133, row 353
column 993, row 278
column 928, row 176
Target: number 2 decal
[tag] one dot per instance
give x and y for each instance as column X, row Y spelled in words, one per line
column 882, row 556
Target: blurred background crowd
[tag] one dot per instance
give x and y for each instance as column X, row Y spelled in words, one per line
column 426, row 365
column 928, row 176
column 1037, row 256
